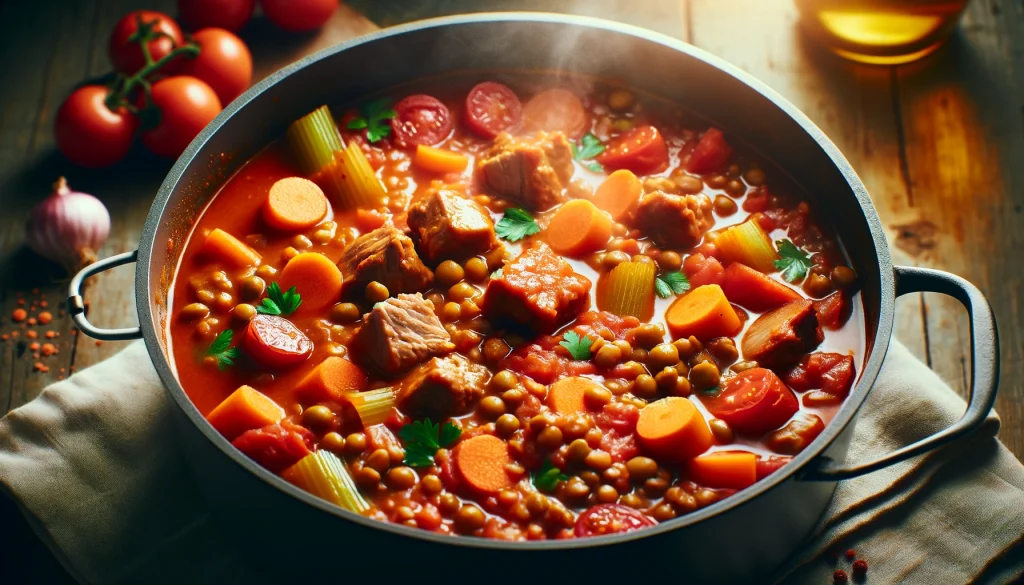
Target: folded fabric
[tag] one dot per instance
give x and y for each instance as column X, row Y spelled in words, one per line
column 95, row 466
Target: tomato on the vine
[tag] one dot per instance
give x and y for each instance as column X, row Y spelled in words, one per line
column 126, row 54
column 299, row 15
column 227, row 14
column 186, row 106
column 91, row 134
column 224, row 63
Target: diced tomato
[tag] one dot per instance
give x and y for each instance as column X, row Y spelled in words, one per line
column 832, row 373
column 701, row 270
column 618, row 416
column 641, row 150
column 757, row 200
column 711, row 154
column 501, row 529
column 753, row 402
column 622, row 448
column 611, row 519
column 545, row 365
column 381, row 437
column 832, row 310
column 769, row 465
column 275, row 342
column 492, row 108
column 796, row 435
column 276, row 447
column 529, row 407
column 446, row 470
column 421, row 119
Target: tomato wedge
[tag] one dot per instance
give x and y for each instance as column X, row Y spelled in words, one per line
column 275, row 342
column 753, row 402
column 641, row 150
column 769, row 465
column 611, row 519
column 421, row 119
column 710, row 154
column 556, row 110
column 492, row 108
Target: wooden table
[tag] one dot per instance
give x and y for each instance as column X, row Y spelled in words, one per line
column 939, row 144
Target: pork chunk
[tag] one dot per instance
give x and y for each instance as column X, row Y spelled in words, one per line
column 398, row 334
column 677, row 221
column 443, row 387
column 538, row 290
column 530, row 171
column 781, row 337
column 388, row 256
column 448, row 226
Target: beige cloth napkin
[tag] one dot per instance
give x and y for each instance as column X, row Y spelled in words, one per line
column 95, row 467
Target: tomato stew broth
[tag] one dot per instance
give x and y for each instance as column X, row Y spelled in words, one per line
column 595, row 466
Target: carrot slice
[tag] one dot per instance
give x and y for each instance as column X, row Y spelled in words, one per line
column 754, row 290
column 439, row 160
column 579, row 228
column 724, row 469
column 481, row 463
column 673, row 428
column 703, row 312
column 315, row 278
column 294, row 204
column 330, row 380
column 245, row 409
column 618, row 193
column 567, row 395
column 227, row 248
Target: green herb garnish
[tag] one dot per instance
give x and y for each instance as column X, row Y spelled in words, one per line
column 711, row 391
column 579, row 347
column 548, row 477
column 222, row 351
column 794, row 263
column 671, row 283
column 515, row 225
column 280, row 303
column 586, row 149
column 424, row 438
column 376, row 119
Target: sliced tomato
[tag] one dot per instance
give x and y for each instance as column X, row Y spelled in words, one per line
column 611, row 519
column 701, row 270
column 421, row 119
column 832, row 373
column 492, row 108
column 769, row 465
column 753, row 402
column 711, row 153
column 556, row 110
column 641, row 150
column 276, row 447
column 275, row 342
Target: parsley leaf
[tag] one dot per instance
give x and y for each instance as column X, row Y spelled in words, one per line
column 279, row 303
column 515, row 225
column 579, row 347
column 222, row 351
column 671, row 283
column 548, row 477
column 713, row 391
column 587, row 148
column 375, row 118
column 424, row 438
column 794, row 263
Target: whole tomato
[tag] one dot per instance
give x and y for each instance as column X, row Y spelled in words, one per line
column 226, row 14
column 126, row 55
column 91, row 134
column 224, row 63
column 186, row 106
column 299, row 15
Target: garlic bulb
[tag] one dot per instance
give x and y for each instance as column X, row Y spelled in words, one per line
column 68, row 227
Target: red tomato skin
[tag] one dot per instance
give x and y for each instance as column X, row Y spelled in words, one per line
column 90, row 134
column 829, row 372
column 186, row 106
column 753, row 402
column 611, row 519
column 641, row 150
column 227, row 14
column 264, row 354
column 224, row 63
column 769, row 465
column 701, row 270
column 555, row 110
column 127, row 56
column 299, row 15
column 710, row 154
column 492, row 108
column 420, row 119
column 276, row 447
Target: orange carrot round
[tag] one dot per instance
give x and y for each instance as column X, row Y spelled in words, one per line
column 724, row 469
column 673, row 428
column 329, row 380
column 481, row 463
column 618, row 193
column 578, row 228
column 567, row 395
column 315, row 278
column 294, row 204
column 703, row 312
column 245, row 409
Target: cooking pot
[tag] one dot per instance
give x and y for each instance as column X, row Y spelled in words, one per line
column 740, row 538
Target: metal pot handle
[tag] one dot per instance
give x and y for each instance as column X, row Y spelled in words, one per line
column 76, row 305
column 984, row 365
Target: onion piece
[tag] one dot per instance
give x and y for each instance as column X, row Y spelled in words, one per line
column 68, row 227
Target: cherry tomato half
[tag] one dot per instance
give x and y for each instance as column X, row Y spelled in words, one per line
column 641, row 150
column 186, row 106
column 611, row 519
column 224, row 63
column 421, row 119
column 227, row 14
column 710, row 154
column 89, row 133
column 556, row 110
column 275, row 342
column 299, row 15
column 753, row 402
column 126, row 56
column 492, row 108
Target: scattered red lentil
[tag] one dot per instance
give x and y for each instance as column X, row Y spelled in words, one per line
column 41, row 367
column 21, row 301
column 35, row 291
column 19, row 315
column 71, row 368
column 5, row 337
column 860, row 568
column 45, row 317
column 839, row 576
column 49, row 349
column 14, row 334
column 62, row 370
column 43, row 304
column 35, row 356
column 34, row 346
column 98, row 343
column 851, row 554
column 60, row 377
column 32, row 321
column 51, row 334
column 31, row 334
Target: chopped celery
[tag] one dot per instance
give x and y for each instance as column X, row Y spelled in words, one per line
column 314, row 139
column 324, row 475
column 628, row 290
column 747, row 243
column 351, row 181
column 373, row 406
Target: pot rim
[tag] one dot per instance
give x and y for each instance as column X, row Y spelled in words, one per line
column 876, row 348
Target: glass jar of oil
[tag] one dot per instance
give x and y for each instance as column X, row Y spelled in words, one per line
column 881, row 32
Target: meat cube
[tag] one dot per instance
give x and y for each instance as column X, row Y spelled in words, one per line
column 386, row 255
column 398, row 334
column 448, row 226
column 530, row 171
column 781, row 337
column 443, row 387
column 538, row 290
column 677, row 221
